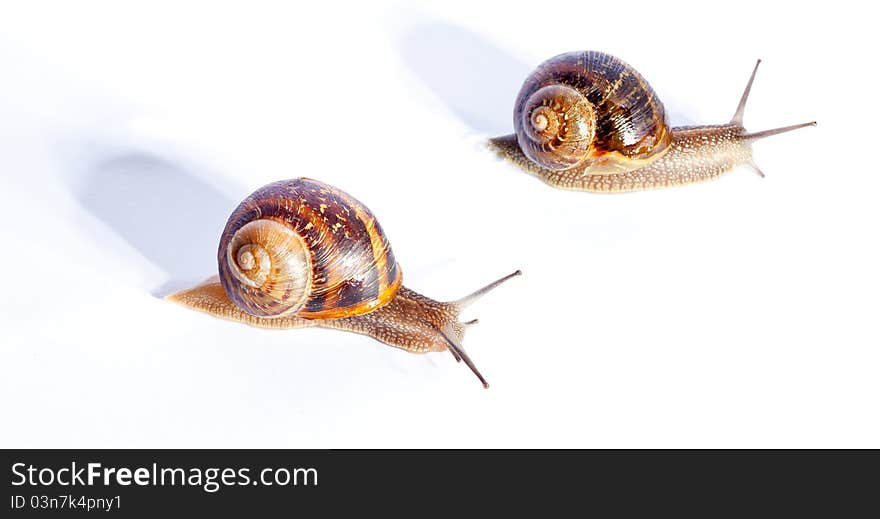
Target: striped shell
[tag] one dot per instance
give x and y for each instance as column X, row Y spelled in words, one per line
column 301, row 247
column 590, row 110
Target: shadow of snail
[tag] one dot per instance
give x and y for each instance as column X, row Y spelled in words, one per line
column 300, row 253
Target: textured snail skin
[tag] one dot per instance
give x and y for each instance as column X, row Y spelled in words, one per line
column 695, row 155
column 410, row 321
column 300, row 253
column 678, row 156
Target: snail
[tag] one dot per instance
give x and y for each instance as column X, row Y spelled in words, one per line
column 300, row 253
column 588, row 121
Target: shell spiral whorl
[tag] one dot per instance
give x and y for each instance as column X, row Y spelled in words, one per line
column 559, row 124
column 306, row 248
column 267, row 256
column 589, row 109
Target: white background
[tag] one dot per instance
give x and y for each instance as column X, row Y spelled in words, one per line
column 737, row 313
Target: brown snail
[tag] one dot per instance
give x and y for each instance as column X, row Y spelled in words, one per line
column 300, row 253
column 588, row 121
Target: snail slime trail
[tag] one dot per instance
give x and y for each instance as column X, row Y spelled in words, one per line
column 300, row 253
column 588, row 121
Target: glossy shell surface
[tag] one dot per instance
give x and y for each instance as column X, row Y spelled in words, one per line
column 595, row 96
column 301, row 247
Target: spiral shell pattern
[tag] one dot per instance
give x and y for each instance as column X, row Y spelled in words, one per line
column 558, row 125
column 302, row 247
column 591, row 110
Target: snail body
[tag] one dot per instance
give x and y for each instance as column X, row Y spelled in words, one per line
column 588, row 121
column 300, row 253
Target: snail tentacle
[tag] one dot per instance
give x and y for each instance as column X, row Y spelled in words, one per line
column 632, row 147
column 299, row 253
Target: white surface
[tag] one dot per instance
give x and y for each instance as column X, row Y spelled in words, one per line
column 737, row 313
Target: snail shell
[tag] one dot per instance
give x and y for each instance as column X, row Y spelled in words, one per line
column 590, row 110
column 301, row 247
